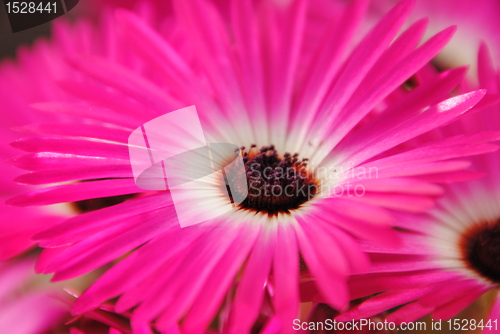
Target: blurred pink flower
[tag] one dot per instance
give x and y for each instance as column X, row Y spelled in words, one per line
column 450, row 256
column 254, row 82
column 476, row 21
column 22, row 312
column 30, row 305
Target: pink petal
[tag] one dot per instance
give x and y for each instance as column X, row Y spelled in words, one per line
column 436, row 116
column 136, row 268
column 358, row 211
column 75, row 174
column 217, row 285
column 250, row 294
column 47, row 160
column 409, row 313
column 285, row 276
column 78, row 130
column 329, row 269
column 89, row 111
column 72, row 146
column 76, row 192
column 464, row 299
column 128, row 83
column 84, row 225
column 494, row 315
column 383, row 302
column 361, row 61
column 92, row 252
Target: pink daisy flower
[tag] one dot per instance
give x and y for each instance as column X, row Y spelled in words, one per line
column 19, row 88
column 30, row 305
column 449, row 257
column 256, row 83
column 21, row 312
column 35, row 76
column 477, row 21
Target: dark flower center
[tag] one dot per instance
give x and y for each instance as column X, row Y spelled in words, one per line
column 481, row 249
column 276, row 183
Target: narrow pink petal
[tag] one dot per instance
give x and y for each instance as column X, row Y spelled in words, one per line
column 127, row 82
column 285, row 62
column 92, row 252
column 249, row 54
column 206, row 29
column 429, row 93
column 366, row 285
column 463, row 300
column 436, row 116
column 135, row 269
column 328, row 59
column 351, row 209
column 453, row 177
column 48, row 160
column 47, row 255
column 84, row 225
column 273, row 326
column 411, row 243
column 357, row 259
column 362, row 229
column 401, row 185
column 494, row 315
column 72, row 146
column 391, row 263
column 75, row 174
column 383, row 302
column 89, row 111
column 76, row 192
column 329, row 268
column 183, row 288
column 114, row 101
column 158, row 52
column 409, row 203
column 149, row 286
column 78, row 130
column 448, row 148
column 356, row 110
column 362, row 60
column 485, row 69
column 405, row 43
column 113, row 320
column 146, row 329
column 285, row 276
column 445, row 296
column 250, row 294
column 216, row 287
column 410, row 312
column 327, row 62
column 419, row 169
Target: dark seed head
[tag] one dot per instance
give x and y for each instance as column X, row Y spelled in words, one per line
column 481, row 249
column 276, row 183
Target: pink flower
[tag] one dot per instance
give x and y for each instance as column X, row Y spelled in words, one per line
column 255, row 84
column 477, row 22
column 449, row 257
column 29, row 305
column 19, row 87
column 21, row 312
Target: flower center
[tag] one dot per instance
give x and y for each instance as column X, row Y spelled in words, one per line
column 481, row 249
column 276, row 183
